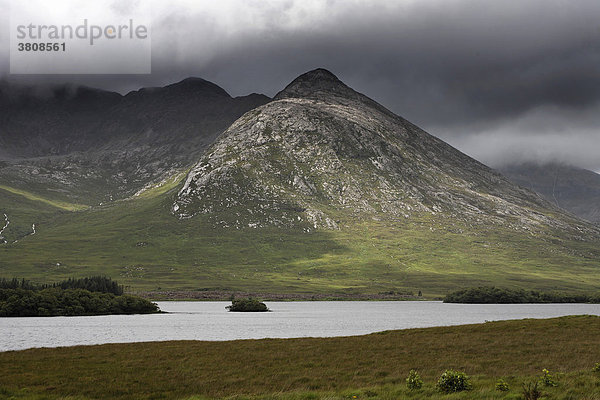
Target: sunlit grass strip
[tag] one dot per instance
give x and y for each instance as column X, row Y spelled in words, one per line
column 163, row 187
column 55, row 203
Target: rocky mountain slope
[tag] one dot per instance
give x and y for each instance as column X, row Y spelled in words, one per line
column 321, row 155
column 87, row 145
column 574, row 189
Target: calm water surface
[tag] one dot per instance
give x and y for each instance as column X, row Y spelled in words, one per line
column 210, row 321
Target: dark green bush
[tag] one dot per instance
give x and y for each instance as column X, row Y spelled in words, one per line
column 453, row 381
column 596, row 367
column 247, row 305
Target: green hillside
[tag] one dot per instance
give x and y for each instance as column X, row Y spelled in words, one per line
column 140, row 243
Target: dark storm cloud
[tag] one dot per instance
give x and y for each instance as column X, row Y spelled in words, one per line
column 485, row 75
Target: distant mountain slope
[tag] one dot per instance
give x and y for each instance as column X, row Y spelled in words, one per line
column 87, row 145
column 573, row 189
column 52, row 120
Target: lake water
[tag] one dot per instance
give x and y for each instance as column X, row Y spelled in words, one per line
column 210, row 321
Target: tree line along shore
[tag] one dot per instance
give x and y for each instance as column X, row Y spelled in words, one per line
column 96, row 295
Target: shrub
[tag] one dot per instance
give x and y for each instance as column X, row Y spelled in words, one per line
column 531, row 391
column 502, row 386
column 547, row 379
column 247, row 305
column 453, row 381
column 596, row 367
column 414, row 381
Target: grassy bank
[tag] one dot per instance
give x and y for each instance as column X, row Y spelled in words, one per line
column 373, row 366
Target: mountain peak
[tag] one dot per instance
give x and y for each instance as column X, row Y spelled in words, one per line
column 325, row 157
column 315, row 84
column 319, row 74
column 197, row 85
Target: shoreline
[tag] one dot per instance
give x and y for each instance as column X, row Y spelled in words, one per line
column 217, row 295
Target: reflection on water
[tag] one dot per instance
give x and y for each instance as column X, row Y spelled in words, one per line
column 210, row 321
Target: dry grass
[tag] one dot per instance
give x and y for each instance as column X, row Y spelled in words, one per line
column 260, row 367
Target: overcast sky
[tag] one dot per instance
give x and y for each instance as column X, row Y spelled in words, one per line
column 503, row 81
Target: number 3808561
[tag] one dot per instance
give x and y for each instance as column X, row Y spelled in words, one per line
column 42, row 46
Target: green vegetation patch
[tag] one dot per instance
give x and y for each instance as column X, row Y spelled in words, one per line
column 247, row 305
column 102, row 284
column 87, row 296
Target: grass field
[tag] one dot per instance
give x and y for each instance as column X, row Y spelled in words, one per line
column 372, row 366
column 142, row 245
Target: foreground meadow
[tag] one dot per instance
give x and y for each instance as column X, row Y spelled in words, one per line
column 372, row 366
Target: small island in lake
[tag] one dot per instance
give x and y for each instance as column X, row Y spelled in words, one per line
column 87, row 296
column 247, row 305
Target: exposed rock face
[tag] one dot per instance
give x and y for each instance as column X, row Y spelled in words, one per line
column 92, row 145
column 576, row 190
column 321, row 155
